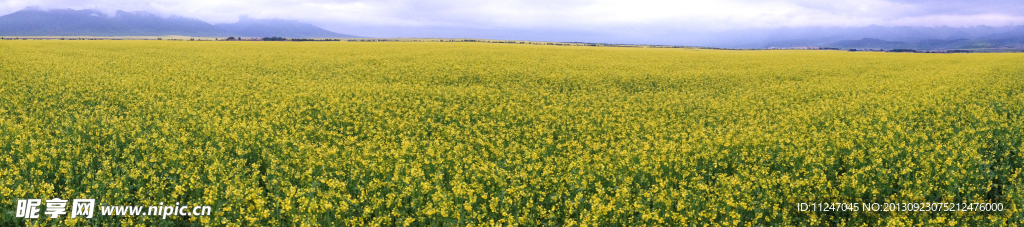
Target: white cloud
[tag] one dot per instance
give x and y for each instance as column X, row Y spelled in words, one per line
column 624, row 18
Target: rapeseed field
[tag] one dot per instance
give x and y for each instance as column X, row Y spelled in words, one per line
column 476, row 134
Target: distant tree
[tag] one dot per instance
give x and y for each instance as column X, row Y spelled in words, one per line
column 231, row 38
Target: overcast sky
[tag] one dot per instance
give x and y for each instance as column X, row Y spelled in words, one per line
column 566, row 19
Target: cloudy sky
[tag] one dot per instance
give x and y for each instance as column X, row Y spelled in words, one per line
column 567, row 20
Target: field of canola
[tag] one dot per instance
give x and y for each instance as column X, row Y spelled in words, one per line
column 473, row 134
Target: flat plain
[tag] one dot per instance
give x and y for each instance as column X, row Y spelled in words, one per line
column 470, row 134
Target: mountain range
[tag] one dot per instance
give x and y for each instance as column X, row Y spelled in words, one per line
column 878, row 37
column 69, row 22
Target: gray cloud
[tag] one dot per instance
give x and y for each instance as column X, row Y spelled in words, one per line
column 570, row 20
column 959, row 7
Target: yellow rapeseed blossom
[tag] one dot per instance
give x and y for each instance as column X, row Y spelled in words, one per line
column 478, row 134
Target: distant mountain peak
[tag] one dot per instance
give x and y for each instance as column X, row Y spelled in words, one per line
column 33, row 8
column 876, row 37
column 121, row 13
column 33, row 21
